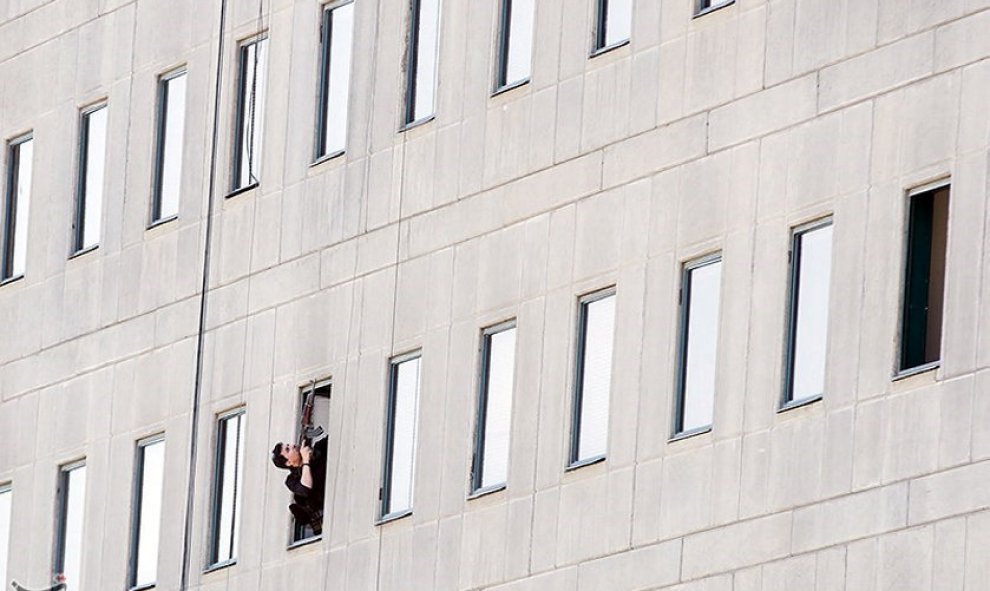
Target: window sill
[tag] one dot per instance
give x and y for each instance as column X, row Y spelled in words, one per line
column 304, row 542
column 12, row 279
column 417, row 123
column 713, row 8
column 161, row 222
column 393, row 517
column 913, row 371
column 689, row 434
column 791, row 405
column 608, row 48
column 584, row 463
column 484, row 492
column 327, row 158
column 83, row 251
column 242, row 190
column 510, row 86
column 143, row 587
column 220, row 566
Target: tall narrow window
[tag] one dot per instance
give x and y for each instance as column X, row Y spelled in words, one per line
column 168, row 150
column 924, row 285
column 421, row 61
column 807, row 332
column 593, row 377
column 18, row 202
column 697, row 353
column 317, row 437
column 400, row 436
column 335, row 79
column 92, row 165
column 227, row 488
column 515, row 49
column 613, row 25
column 69, row 535
column 149, row 479
column 491, row 447
column 6, row 502
column 253, row 67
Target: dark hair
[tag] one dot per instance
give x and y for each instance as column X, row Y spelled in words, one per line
column 277, row 457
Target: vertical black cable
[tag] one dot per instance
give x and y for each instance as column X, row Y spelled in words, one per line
column 201, row 335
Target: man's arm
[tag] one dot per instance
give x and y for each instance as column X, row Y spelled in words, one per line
column 306, row 474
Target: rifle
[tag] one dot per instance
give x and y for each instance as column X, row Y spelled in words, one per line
column 306, row 417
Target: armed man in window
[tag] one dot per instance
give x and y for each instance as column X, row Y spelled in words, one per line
column 307, row 466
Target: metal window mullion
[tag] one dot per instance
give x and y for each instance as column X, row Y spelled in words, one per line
column 82, row 178
column 10, row 212
column 505, row 39
column 321, row 109
column 233, row 499
column 386, row 500
column 413, row 61
column 482, row 414
column 576, row 425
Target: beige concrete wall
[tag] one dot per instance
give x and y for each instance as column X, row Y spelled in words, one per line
column 715, row 133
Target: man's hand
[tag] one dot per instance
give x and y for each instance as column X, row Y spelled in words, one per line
column 306, row 453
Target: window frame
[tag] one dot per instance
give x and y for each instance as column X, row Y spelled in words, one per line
column 216, row 509
column 577, row 398
column 323, row 90
column 385, row 514
column 10, row 206
column 684, row 316
column 701, row 9
column 82, row 173
column 481, row 411
column 503, row 46
column 7, row 488
column 787, row 400
column 599, row 38
column 933, row 188
column 409, row 119
column 61, row 514
column 155, row 217
column 241, row 107
column 137, row 504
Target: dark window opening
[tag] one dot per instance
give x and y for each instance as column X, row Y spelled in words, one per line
column 924, row 285
column 316, row 435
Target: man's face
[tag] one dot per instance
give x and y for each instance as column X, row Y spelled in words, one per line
column 291, row 454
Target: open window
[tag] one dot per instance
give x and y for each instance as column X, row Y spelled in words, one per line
column 317, row 436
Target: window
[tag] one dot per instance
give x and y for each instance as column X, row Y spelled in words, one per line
column 704, row 6
column 92, row 165
column 491, row 447
column 168, row 148
column 807, row 331
column 320, row 417
column 335, row 79
column 253, row 66
column 515, row 43
column 227, row 488
column 69, row 535
column 593, row 377
column 149, row 480
column 613, row 25
column 924, row 285
column 700, row 293
column 421, row 68
column 15, row 224
column 6, row 513
column 400, row 436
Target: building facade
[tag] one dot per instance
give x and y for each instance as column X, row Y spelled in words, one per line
column 595, row 294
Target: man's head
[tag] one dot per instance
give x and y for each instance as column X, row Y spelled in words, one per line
column 286, row 456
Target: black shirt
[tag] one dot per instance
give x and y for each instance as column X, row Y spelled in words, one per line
column 311, row 498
